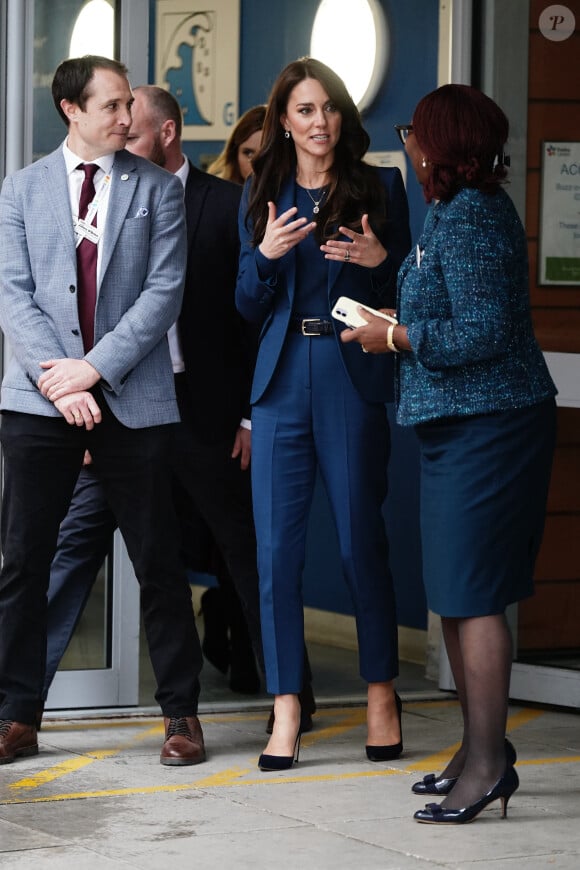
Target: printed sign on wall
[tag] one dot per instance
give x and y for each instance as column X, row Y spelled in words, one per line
column 197, row 60
column 559, row 261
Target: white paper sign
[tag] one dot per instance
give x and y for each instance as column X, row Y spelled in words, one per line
column 559, row 250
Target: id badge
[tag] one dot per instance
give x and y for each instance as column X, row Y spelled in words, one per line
column 87, row 231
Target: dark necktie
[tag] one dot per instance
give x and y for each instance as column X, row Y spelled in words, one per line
column 87, row 262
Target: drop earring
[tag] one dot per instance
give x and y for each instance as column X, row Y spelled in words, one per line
column 424, row 163
column 286, row 134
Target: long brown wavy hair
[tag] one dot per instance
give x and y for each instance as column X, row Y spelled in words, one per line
column 353, row 191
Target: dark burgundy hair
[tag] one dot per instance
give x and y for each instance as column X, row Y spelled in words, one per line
column 462, row 134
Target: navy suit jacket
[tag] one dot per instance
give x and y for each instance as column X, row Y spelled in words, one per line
column 270, row 302
column 218, row 346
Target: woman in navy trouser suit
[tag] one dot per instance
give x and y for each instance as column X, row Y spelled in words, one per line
column 317, row 223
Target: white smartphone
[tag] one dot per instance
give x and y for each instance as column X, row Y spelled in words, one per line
column 345, row 310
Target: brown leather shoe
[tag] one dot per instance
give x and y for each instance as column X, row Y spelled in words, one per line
column 16, row 740
column 183, row 741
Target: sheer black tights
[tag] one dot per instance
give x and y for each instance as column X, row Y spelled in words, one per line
column 480, row 655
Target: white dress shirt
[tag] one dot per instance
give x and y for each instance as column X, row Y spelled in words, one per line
column 75, row 178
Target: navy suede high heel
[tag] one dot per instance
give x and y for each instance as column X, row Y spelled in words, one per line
column 432, row 784
column 280, row 762
column 391, row 751
column 435, row 814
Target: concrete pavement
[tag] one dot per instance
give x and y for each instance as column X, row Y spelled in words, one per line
column 97, row 797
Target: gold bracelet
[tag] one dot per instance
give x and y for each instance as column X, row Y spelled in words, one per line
column 390, row 342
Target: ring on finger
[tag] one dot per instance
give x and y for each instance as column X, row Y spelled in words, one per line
column 364, row 350
column 346, row 255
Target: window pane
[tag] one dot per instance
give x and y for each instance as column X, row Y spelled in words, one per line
column 54, row 28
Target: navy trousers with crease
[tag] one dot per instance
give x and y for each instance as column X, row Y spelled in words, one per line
column 312, row 418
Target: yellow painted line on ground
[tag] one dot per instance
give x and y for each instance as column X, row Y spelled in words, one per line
column 438, row 760
column 53, row 727
column 517, row 720
column 235, row 776
column 106, row 793
column 531, row 762
column 226, row 778
column 64, row 768
column 354, row 718
column 51, row 773
column 322, row 777
column 347, row 723
column 559, row 759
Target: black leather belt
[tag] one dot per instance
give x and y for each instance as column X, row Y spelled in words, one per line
column 311, row 326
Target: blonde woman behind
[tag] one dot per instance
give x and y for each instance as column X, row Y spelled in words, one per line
column 235, row 161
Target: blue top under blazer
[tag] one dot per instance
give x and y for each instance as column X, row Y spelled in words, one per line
column 270, row 302
column 464, row 297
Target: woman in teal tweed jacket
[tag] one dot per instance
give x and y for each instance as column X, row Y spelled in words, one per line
column 466, row 307
column 472, row 381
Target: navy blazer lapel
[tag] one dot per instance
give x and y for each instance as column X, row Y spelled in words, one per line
column 287, row 197
column 335, row 267
column 286, row 200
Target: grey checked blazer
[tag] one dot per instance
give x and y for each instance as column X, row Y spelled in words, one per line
column 141, row 285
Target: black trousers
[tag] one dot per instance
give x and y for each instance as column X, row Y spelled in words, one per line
column 42, row 459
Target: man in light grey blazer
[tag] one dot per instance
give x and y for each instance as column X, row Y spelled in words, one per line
column 102, row 383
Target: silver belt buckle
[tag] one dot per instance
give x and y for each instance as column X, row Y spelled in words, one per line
column 309, row 320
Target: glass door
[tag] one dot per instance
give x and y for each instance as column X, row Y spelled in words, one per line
column 101, row 665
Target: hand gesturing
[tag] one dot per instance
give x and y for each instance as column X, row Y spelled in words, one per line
column 282, row 234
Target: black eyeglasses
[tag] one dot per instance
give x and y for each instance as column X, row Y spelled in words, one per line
column 403, row 131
